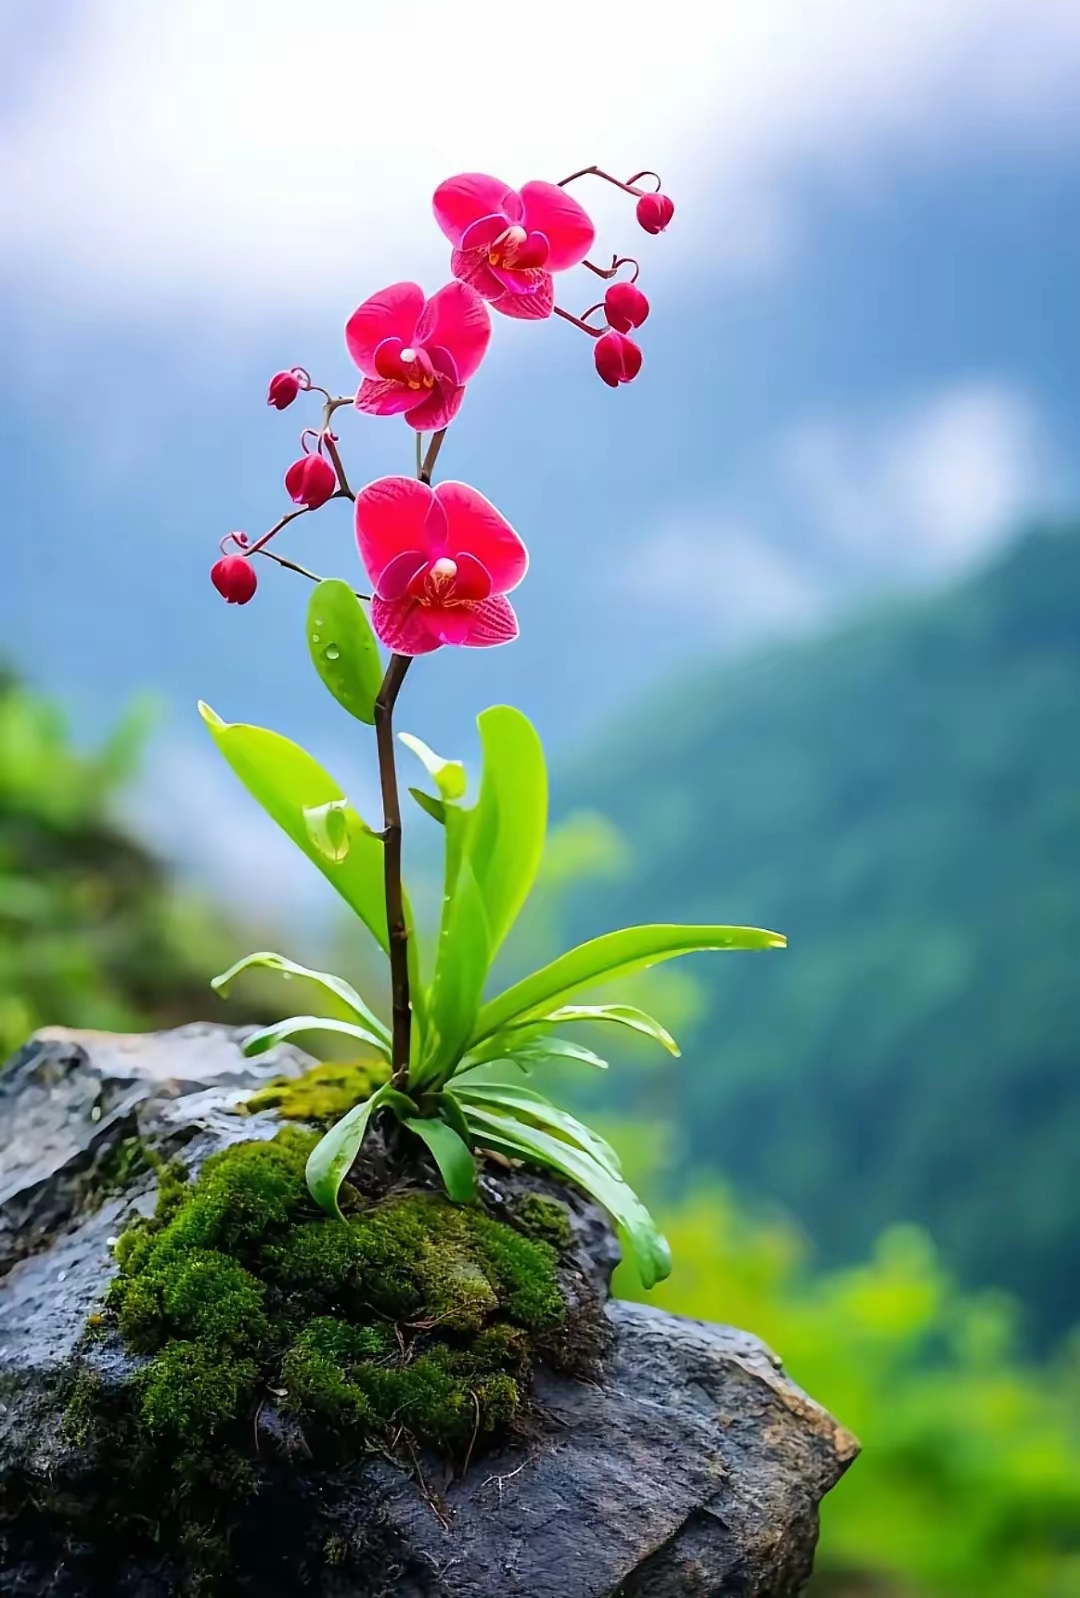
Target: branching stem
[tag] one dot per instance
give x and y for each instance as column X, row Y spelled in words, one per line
column 397, row 928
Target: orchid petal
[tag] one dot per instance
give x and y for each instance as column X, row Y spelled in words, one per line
column 443, row 363
column 437, row 409
column 473, row 580
column 491, row 622
column 570, row 233
column 467, row 198
column 521, row 280
column 387, row 359
column 481, row 235
column 527, row 307
column 475, row 528
column 400, row 624
column 384, row 396
column 402, row 573
column 536, row 251
column 472, row 268
column 391, row 517
column 392, row 313
column 457, row 319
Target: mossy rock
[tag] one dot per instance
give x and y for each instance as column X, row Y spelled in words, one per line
column 413, row 1323
column 323, row 1094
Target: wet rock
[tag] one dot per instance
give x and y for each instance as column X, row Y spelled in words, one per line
column 693, row 1468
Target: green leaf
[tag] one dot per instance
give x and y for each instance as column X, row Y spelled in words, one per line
column 448, row 775
column 434, row 807
column 523, row 1049
column 330, row 1161
column 451, row 1112
column 451, row 1154
column 615, row 954
column 507, row 836
column 518, row 1140
column 342, row 990
column 343, row 648
column 328, row 828
column 288, row 782
column 525, row 1105
column 461, row 969
column 623, row 1014
column 267, row 1036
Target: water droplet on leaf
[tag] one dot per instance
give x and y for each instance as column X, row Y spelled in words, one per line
column 332, row 652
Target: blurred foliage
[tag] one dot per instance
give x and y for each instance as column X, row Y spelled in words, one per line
column 969, row 1481
column 92, row 933
column 902, row 799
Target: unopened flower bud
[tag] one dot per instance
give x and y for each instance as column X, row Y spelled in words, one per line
column 654, row 212
column 234, row 578
column 284, row 387
column 625, row 306
column 618, row 358
column 311, row 481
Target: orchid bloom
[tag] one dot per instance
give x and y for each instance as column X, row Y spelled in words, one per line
column 417, row 354
column 508, row 242
column 441, row 561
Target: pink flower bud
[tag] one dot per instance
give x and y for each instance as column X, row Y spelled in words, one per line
column 234, row 578
column 618, row 359
column 654, row 212
column 625, row 306
column 284, row 387
column 311, row 481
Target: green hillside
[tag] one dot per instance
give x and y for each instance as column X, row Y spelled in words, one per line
column 903, row 800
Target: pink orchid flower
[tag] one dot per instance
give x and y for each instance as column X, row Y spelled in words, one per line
column 508, row 242
column 441, row 561
column 416, row 354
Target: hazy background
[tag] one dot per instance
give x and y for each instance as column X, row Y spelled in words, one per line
column 784, row 628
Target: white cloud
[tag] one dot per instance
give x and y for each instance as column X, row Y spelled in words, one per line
column 926, row 491
column 239, row 155
column 717, row 569
column 914, row 496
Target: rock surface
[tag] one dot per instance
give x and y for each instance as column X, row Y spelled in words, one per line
column 693, row 1470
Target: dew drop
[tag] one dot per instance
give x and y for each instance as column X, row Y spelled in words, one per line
column 332, row 652
column 314, row 638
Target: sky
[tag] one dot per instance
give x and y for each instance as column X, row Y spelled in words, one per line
column 860, row 368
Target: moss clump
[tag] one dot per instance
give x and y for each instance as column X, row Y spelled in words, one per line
column 412, row 1319
column 544, row 1218
column 324, row 1093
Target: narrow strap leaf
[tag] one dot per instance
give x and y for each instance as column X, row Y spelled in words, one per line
column 278, row 1031
column 268, row 960
column 615, row 954
column 451, row 1154
column 330, row 1161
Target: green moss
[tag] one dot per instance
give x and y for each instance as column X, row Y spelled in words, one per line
column 412, row 1319
column 324, row 1093
column 544, row 1218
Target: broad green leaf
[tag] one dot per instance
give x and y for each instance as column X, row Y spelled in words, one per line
column 287, row 781
column 524, row 1049
column 525, row 1105
column 508, row 824
column 434, row 807
column 267, row 1036
column 603, row 959
column 623, row 1014
column 452, row 1114
column 343, row 648
column 341, row 989
column 530, row 1143
column 451, row 1154
column 328, row 828
column 448, row 775
column 330, row 1161
column 461, row 969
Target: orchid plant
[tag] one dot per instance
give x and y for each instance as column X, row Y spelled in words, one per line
column 441, row 561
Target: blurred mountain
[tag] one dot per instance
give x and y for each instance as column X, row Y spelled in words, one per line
column 93, row 931
column 903, row 800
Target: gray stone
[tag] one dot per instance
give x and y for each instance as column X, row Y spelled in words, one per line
column 694, row 1467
